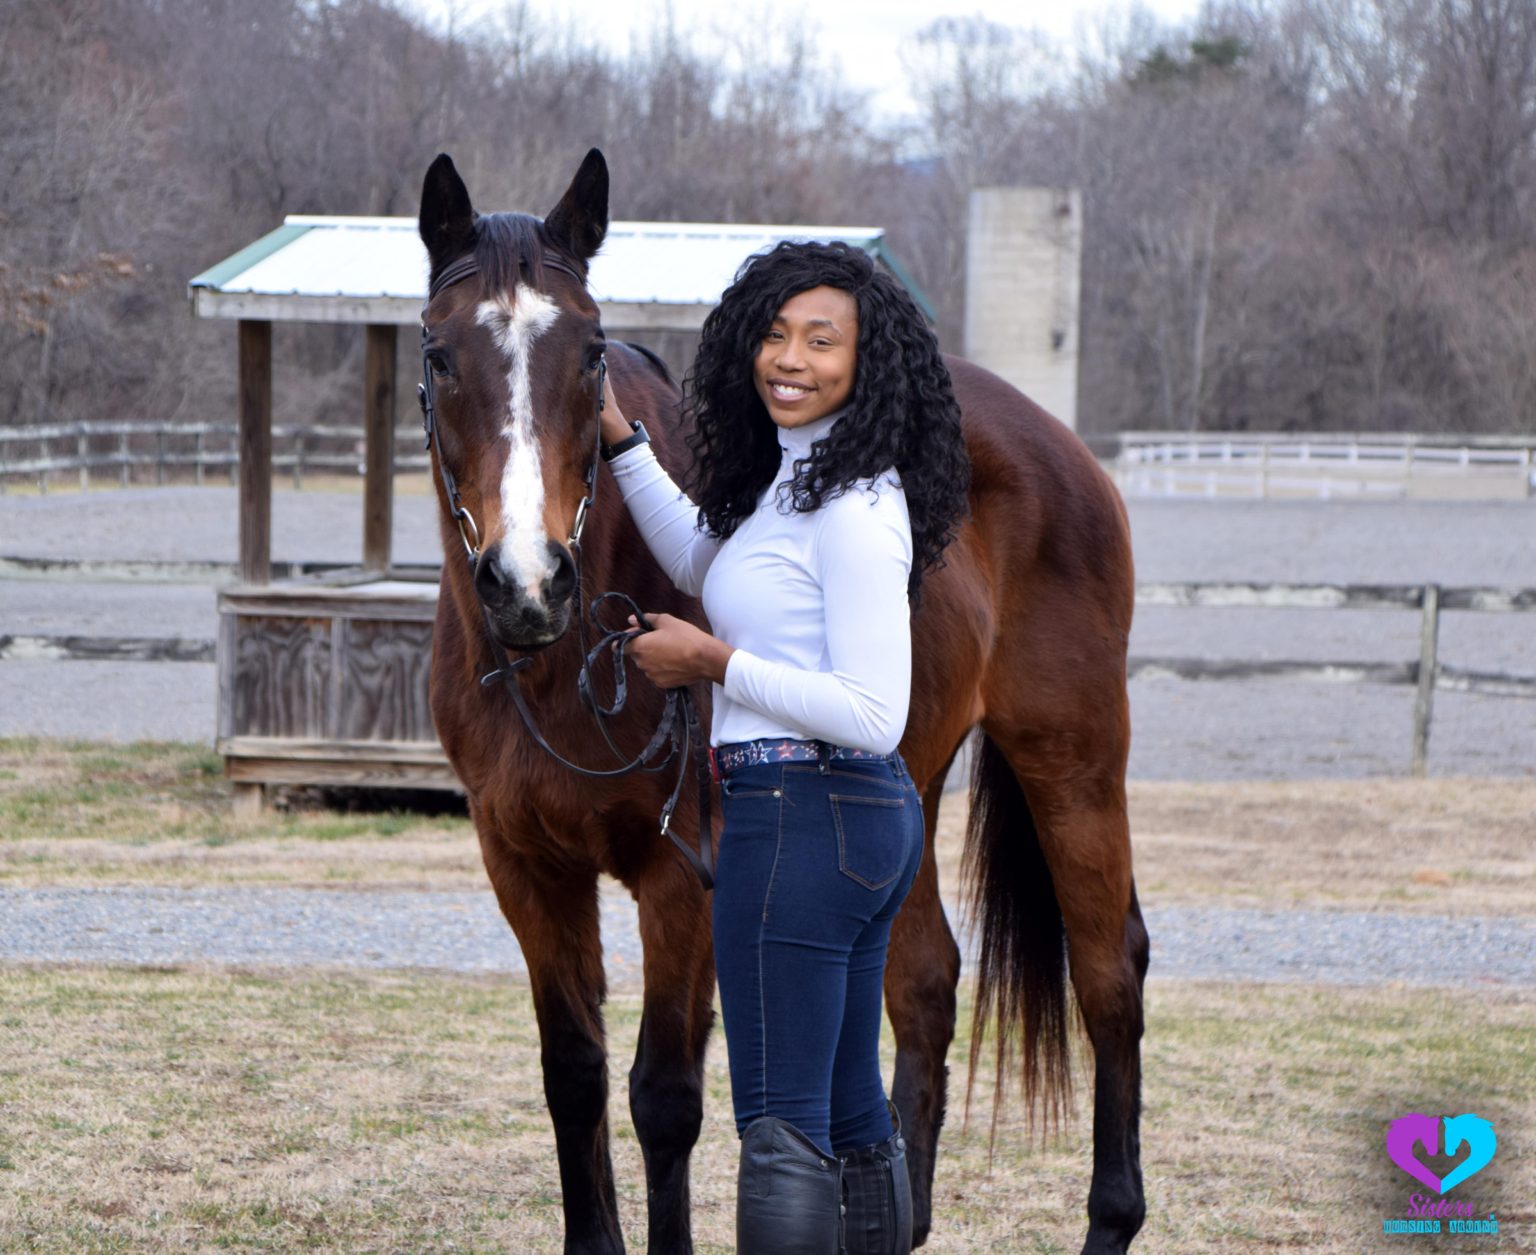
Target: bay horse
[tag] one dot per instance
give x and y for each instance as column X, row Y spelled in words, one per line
column 1023, row 632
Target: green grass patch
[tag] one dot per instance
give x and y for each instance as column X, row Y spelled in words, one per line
column 79, row 812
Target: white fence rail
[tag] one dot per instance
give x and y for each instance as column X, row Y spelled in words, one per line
column 1148, row 464
column 1211, row 464
column 177, row 452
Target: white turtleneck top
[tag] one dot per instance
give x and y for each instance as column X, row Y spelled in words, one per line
column 815, row 604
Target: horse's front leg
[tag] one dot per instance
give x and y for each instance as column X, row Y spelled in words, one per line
column 922, row 970
column 554, row 916
column 666, row 1084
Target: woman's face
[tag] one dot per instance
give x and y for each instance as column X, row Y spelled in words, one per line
column 805, row 365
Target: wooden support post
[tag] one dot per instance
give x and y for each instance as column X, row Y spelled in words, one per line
column 249, row 801
column 255, row 451
column 83, row 451
column 379, row 423
column 1424, row 705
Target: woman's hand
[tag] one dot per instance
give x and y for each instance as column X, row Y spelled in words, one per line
column 676, row 653
column 615, row 426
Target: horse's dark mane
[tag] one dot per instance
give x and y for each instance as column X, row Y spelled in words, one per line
column 650, row 355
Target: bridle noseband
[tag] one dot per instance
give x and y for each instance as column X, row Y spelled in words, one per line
column 678, row 731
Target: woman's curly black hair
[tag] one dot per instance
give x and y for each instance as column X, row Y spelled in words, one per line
column 902, row 411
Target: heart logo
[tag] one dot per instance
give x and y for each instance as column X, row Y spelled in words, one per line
column 1473, row 1130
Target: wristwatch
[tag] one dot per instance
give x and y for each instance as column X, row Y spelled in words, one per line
column 638, row 436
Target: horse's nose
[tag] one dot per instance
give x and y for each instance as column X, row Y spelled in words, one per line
column 562, row 580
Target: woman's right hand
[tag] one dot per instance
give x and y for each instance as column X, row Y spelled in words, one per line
column 615, row 426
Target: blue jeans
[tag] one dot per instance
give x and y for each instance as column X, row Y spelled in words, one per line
column 812, row 869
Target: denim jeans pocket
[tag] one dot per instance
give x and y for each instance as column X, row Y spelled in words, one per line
column 871, row 837
column 761, row 780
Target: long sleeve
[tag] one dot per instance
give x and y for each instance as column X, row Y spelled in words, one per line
column 862, row 555
column 667, row 519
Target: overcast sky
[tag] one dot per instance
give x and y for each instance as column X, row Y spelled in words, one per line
column 866, row 34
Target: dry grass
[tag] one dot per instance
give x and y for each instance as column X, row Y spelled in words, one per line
column 160, row 814
column 189, row 1111
column 1444, row 847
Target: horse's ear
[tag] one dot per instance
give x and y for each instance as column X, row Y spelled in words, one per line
column 580, row 221
column 447, row 222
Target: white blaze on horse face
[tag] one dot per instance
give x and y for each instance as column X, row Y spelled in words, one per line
column 524, row 548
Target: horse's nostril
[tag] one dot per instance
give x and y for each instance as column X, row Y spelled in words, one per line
column 492, row 580
column 563, row 580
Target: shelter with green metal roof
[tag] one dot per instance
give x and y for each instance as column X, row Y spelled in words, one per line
column 325, row 681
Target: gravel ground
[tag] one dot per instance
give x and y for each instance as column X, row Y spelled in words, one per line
column 1183, row 729
column 463, row 932
column 109, row 701
column 1315, row 542
column 202, row 525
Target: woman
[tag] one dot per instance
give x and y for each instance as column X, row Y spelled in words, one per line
column 830, row 473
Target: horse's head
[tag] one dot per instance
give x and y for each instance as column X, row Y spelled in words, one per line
column 512, row 348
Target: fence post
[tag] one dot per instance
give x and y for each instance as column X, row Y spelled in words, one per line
column 252, row 469
column 122, row 454
column 197, row 457
column 82, row 450
column 298, row 459
column 379, row 421
column 1424, row 704
column 160, row 456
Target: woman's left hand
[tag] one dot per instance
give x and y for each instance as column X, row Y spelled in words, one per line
column 675, row 653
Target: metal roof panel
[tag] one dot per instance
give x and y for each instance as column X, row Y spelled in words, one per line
column 641, row 263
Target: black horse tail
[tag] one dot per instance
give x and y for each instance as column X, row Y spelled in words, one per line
column 1021, row 969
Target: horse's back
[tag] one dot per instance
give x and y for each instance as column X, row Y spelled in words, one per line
column 1049, row 511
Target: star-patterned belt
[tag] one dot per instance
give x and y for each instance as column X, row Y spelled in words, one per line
column 738, row 754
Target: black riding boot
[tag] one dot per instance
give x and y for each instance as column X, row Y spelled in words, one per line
column 878, row 1194
column 788, row 1193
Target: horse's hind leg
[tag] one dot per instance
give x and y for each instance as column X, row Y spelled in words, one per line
column 1076, row 800
column 922, row 970
column 556, row 923
column 666, row 1084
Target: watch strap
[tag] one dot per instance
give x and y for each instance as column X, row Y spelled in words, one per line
column 635, row 439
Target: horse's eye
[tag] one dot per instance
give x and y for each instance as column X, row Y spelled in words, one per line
column 594, row 356
column 437, row 361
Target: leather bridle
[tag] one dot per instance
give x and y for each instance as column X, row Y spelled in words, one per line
column 678, row 732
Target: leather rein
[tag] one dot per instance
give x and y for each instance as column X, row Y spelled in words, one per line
column 678, row 733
